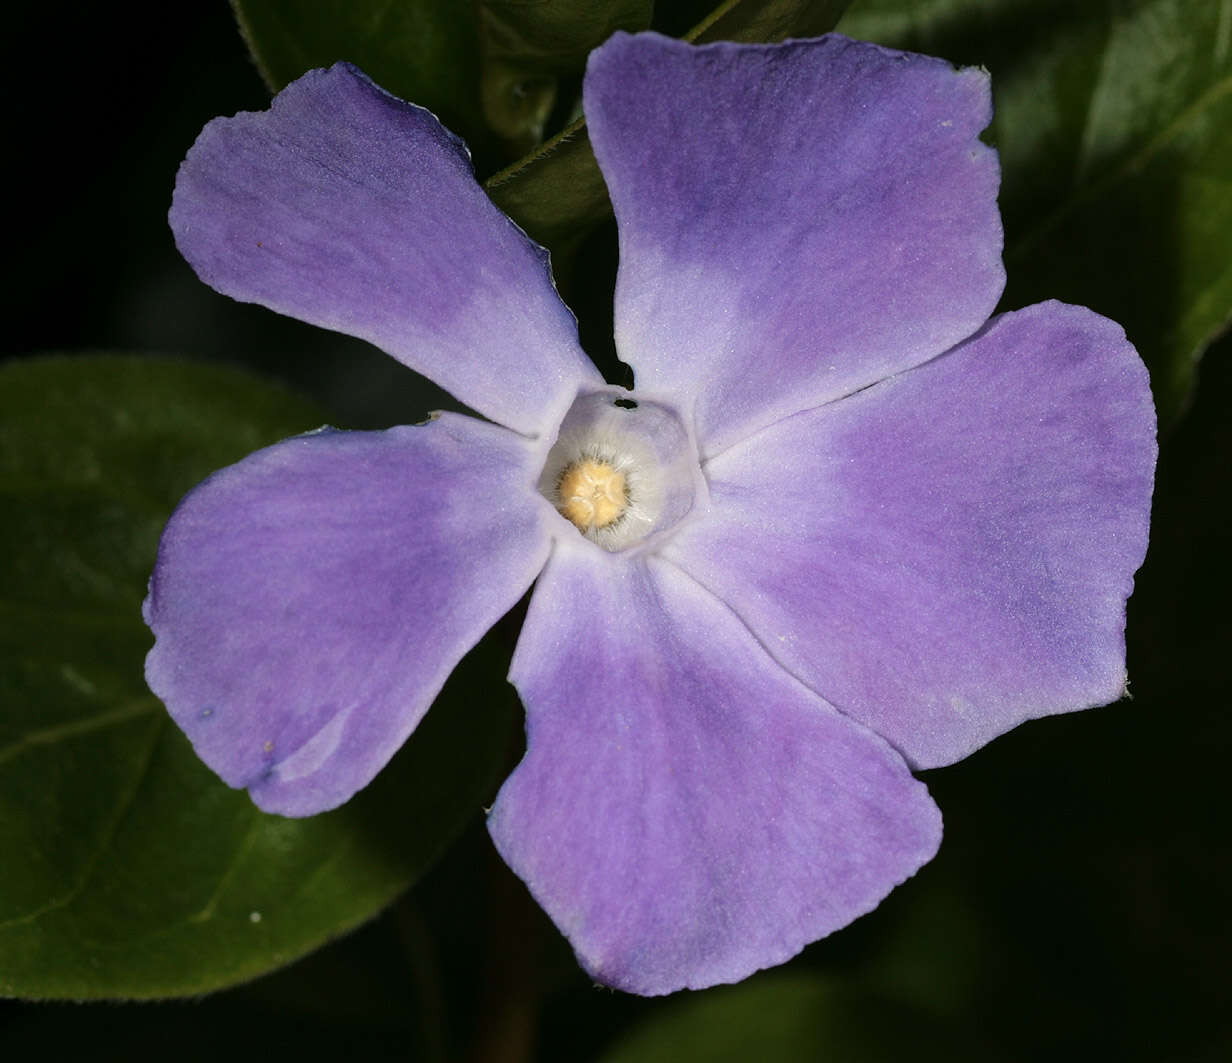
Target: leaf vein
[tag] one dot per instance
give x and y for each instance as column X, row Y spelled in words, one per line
column 1129, row 168
column 123, row 808
column 76, row 728
column 241, row 851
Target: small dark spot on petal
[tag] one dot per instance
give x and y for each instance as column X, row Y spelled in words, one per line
column 626, row 404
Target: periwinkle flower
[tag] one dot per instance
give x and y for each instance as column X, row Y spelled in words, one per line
column 845, row 527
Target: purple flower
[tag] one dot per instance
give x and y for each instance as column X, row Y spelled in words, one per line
column 845, row 527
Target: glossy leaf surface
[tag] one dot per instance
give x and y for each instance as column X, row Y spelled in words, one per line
column 131, row 871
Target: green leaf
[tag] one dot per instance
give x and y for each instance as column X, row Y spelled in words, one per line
column 1114, row 125
column 769, row 20
column 488, row 70
column 556, row 35
column 528, row 44
column 787, row 1018
column 557, row 194
column 130, row 870
column 426, row 52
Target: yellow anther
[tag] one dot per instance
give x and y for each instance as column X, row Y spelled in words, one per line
column 592, row 494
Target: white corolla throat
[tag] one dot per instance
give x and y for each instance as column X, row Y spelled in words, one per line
column 621, row 470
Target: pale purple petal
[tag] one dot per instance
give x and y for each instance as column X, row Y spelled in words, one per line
column 310, row 601
column 345, row 207
column 686, row 811
column 949, row 552
column 796, row 221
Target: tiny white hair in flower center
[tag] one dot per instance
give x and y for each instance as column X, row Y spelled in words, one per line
column 620, row 470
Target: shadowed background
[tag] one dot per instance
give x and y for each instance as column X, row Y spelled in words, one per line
column 1079, row 904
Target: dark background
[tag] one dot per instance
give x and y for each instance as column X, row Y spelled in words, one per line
column 1080, row 904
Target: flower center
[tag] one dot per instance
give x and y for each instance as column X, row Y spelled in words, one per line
column 623, row 471
column 592, row 493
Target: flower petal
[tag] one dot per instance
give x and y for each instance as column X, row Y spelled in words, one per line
column 687, row 812
column 948, row 553
column 310, row 601
column 347, row 208
column 797, row 221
